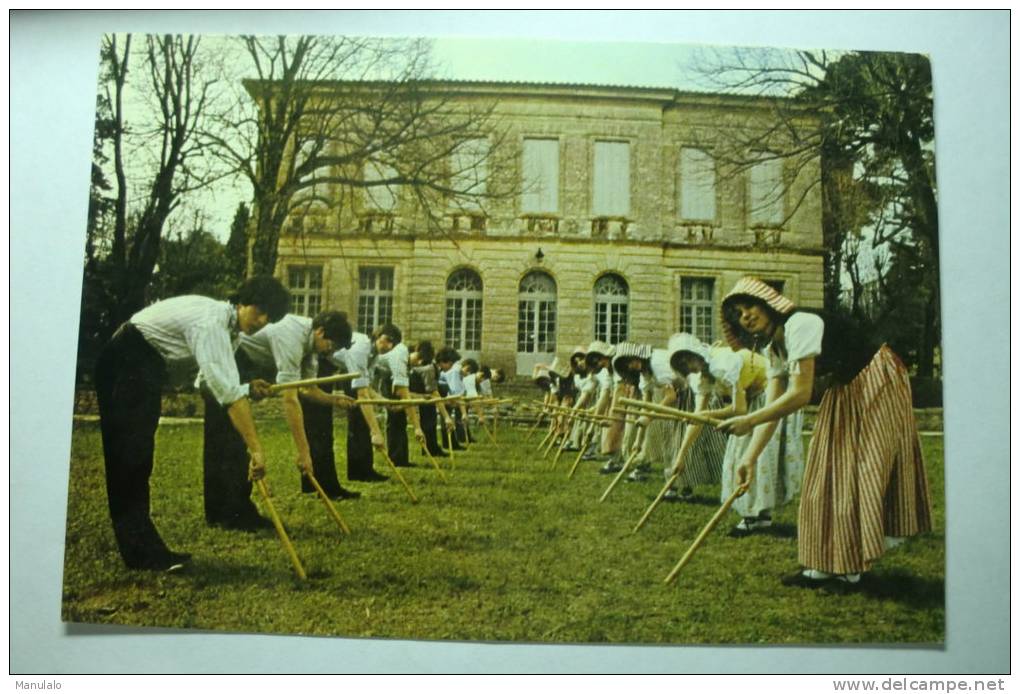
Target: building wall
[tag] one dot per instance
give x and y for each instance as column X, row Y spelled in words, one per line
column 652, row 249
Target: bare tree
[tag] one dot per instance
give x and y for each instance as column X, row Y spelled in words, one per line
column 165, row 150
column 868, row 118
column 325, row 117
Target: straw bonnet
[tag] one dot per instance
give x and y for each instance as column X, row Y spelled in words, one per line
column 754, row 288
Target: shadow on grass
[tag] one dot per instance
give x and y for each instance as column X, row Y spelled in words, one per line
column 905, row 588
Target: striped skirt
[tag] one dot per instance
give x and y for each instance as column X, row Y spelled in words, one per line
column 778, row 472
column 662, row 436
column 704, row 460
column 865, row 477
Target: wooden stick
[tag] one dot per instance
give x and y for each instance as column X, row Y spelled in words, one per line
column 387, row 402
column 739, row 491
column 278, row 524
column 679, row 466
column 432, row 460
column 534, row 427
column 396, row 472
column 658, row 500
column 329, row 504
column 679, row 414
column 552, row 428
column 585, row 440
column 488, row 433
column 638, row 445
column 277, row 387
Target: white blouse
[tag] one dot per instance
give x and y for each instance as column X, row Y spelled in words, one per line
column 803, row 337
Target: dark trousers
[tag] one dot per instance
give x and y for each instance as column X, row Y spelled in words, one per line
column 396, row 437
column 225, row 460
column 129, row 383
column 319, row 432
column 429, row 416
column 359, row 445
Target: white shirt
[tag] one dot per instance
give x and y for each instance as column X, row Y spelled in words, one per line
column 803, row 337
column 357, row 357
column 287, row 345
column 469, row 385
column 454, row 380
column 604, row 380
column 485, row 388
column 391, row 370
column 190, row 331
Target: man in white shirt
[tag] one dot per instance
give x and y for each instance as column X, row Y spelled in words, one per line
column 392, row 378
column 363, row 430
column 451, row 380
column 175, row 335
column 285, row 351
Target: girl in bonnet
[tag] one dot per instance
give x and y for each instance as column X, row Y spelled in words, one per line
column 864, row 484
column 740, row 377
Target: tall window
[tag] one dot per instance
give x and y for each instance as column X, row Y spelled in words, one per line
column 536, row 314
column 464, row 312
column 612, row 179
column 541, row 184
column 381, row 197
column 469, row 170
column 766, row 193
column 375, row 297
column 697, row 185
column 318, row 195
column 697, row 302
column 305, row 284
column 611, row 309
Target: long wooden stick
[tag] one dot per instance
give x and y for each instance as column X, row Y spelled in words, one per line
column 488, row 433
column 534, row 427
column 638, row 445
column 329, row 504
column 278, row 524
column 585, row 440
column 432, row 460
column 679, row 466
column 396, row 472
column 552, row 429
column 277, row 387
column 738, row 492
column 679, row 414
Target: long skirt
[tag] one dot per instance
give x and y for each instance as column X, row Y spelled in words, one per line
column 662, row 437
column 778, row 472
column 865, row 476
column 704, row 460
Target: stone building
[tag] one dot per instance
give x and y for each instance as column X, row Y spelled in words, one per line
column 626, row 226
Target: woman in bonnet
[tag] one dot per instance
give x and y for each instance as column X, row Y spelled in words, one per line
column 864, row 486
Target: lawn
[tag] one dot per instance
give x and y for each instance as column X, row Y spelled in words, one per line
column 508, row 550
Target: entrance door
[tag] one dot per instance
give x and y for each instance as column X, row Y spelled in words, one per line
column 536, row 321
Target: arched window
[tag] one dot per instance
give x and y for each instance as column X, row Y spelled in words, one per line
column 611, row 297
column 464, row 312
column 536, row 320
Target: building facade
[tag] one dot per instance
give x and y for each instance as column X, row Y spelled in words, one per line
column 625, row 224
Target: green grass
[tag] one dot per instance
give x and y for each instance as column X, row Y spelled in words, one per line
column 508, row 550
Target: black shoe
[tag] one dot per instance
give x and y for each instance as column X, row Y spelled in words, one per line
column 346, row 494
column 246, row 524
column 408, row 464
column 170, row 562
column 370, row 477
column 438, row 454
